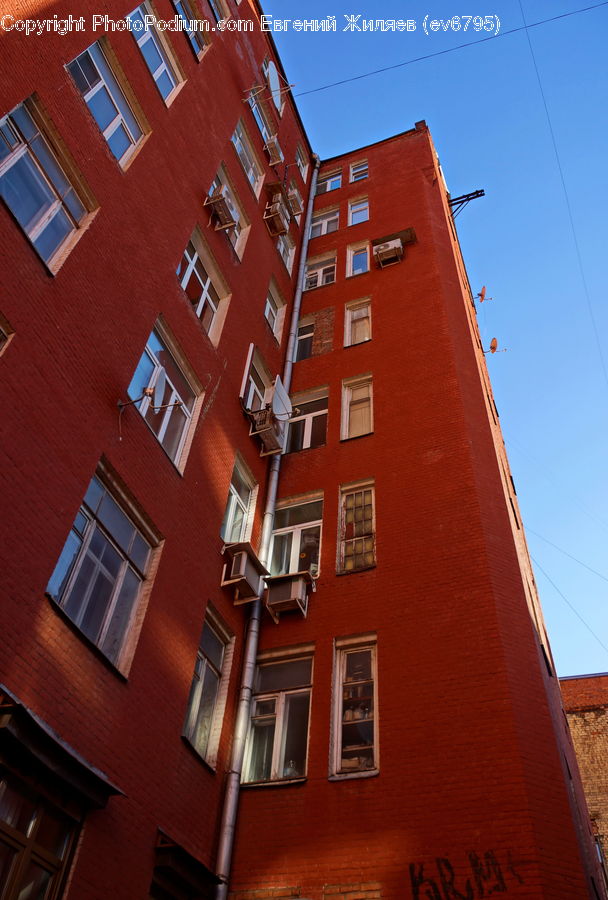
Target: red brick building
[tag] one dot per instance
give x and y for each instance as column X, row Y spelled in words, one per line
column 586, row 703
column 405, row 738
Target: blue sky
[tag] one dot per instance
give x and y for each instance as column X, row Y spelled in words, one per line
column 485, row 109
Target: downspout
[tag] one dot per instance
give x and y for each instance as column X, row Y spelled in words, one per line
column 233, row 778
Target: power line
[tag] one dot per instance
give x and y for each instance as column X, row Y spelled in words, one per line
column 567, row 198
column 409, row 62
column 565, row 552
column 576, row 613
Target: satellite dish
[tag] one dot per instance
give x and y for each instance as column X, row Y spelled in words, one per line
column 274, row 83
column 493, row 345
column 159, row 390
column 281, row 404
column 482, row 295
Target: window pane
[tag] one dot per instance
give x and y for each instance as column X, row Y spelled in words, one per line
column 53, row 832
column 175, row 430
column 359, row 665
column 121, row 614
column 203, row 697
column 318, row 431
column 119, row 142
column 15, row 809
column 53, row 235
column 284, row 675
column 212, row 646
column 165, row 84
column 151, row 53
column 295, row 436
column 116, row 522
column 308, row 559
column 296, row 734
column 7, row 856
column 63, row 569
column 26, row 192
column 296, row 515
column 33, row 885
column 262, row 740
column 101, row 105
column 281, row 554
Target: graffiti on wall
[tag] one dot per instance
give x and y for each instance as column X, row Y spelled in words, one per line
column 485, row 877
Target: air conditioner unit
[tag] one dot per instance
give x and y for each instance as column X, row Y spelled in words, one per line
column 276, row 216
column 268, row 428
column 220, row 208
column 295, row 202
column 243, row 571
column 288, row 592
column 273, row 149
column 389, row 252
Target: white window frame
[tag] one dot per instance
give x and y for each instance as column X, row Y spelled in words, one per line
column 308, row 322
column 353, row 251
column 237, row 234
column 302, row 162
column 359, row 171
column 209, row 750
column 173, row 399
column 6, row 334
column 279, row 767
column 196, row 36
column 91, row 522
column 168, row 65
column 97, row 56
column 345, row 707
column 235, row 502
column 320, row 272
column 63, row 199
column 357, row 208
column 325, row 221
column 274, row 310
column 350, row 314
column 197, row 257
column 247, row 158
column 260, row 116
column 297, row 401
column 349, row 386
column 252, row 389
column 296, row 532
column 287, row 250
column 350, row 490
column 329, row 181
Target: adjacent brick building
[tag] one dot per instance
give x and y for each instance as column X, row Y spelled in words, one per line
column 174, row 258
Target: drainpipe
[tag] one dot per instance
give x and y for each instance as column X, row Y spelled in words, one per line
column 233, row 778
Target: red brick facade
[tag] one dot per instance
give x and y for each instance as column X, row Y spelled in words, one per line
column 466, row 792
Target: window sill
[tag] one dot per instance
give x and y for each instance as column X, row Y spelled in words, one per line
column 357, row 274
column 86, row 640
column 61, row 254
column 168, row 100
column 348, row 776
column 127, row 160
column 282, row 782
column 355, row 571
column 358, row 344
column 355, row 437
column 318, row 287
column 197, row 755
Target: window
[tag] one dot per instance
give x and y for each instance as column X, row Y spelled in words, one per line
column 217, row 8
column 357, row 415
column 296, row 539
column 324, row 222
column 320, row 272
column 358, row 171
column 278, row 733
column 261, row 119
column 257, row 381
column 308, row 425
column 252, row 168
column 357, row 260
column 287, row 250
column 106, row 101
column 192, row 26
column 206, row 290
column 358, row 211
column 237, row 233
column 171, row 419
column 354, row 737
column 155, row 51
column 36, row 842
column 274, row 311
column 238, row 506
column 34, row 185
column 329, row 182
column 304, row 341
column 209, row 688
column 357, row 527
column 357, row 322
column 101, row 569
column 302, row 162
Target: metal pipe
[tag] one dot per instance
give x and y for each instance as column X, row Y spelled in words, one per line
column 233, row 777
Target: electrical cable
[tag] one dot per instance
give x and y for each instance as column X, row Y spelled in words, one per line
column 409, row 62
column 565, row 552
column 567, row 198
column 574, row 610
